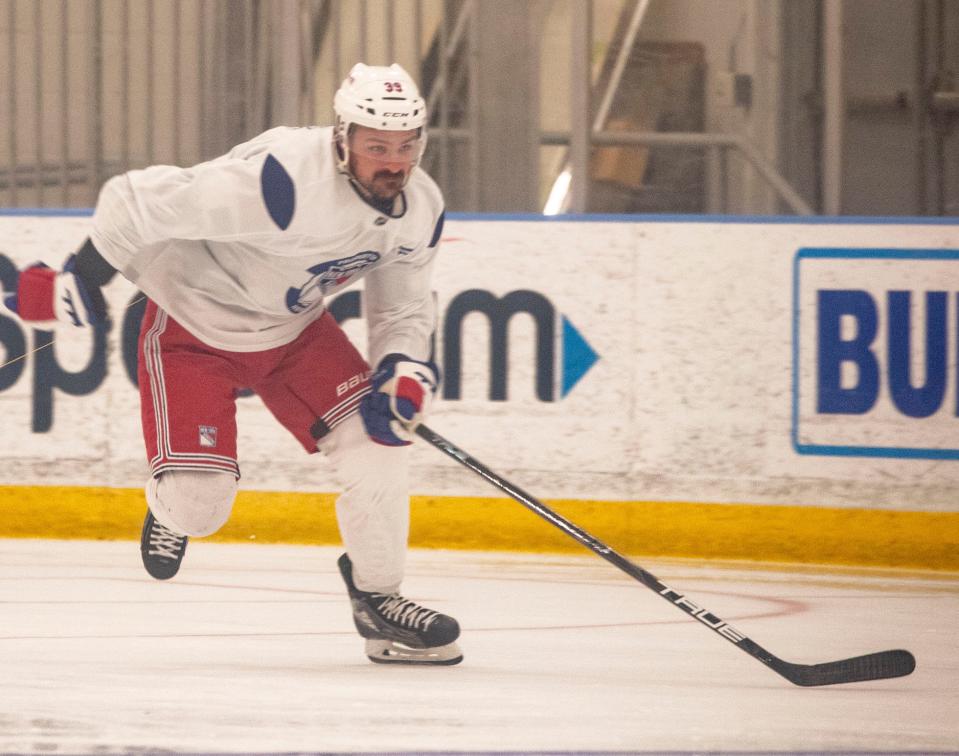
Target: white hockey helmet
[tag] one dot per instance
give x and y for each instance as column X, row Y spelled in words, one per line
column 379, row 97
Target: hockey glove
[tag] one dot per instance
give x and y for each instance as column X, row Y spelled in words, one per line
column 44, row 295
column 403, row 389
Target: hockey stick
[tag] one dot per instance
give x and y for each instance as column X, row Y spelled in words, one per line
column 876, row 666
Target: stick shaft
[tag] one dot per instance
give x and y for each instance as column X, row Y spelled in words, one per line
column 576, row 532
column 871, row 667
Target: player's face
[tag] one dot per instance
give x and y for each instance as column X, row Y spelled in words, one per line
column 381, row 160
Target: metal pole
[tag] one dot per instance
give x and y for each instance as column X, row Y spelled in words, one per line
column 177, row 55
column 449, row 43
column 64, row 105
column 150, row 114
column 622, row 58
column 95, row 142
column 390, row 33
column 714, row 180
column 418, row 39
column 124, row 87
column 833, row 107
column 475, row 93
column 777, row 182
column 200, row 21
column 940, row 133
column 251, row 108
column 12, row 99
column 364, row 29
column 442, row 73
column 38, row 172
column 336, row 13
column 285, row 38
column 919, row 113
column 308, row 106
column 579, row 106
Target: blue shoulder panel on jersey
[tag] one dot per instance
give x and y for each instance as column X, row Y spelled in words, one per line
column 279, row 196
column 438, row 230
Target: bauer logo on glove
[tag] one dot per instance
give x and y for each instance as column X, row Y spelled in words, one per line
column 403, row 389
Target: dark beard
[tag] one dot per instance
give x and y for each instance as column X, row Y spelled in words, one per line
column 386, row 185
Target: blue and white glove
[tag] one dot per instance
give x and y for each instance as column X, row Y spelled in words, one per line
column 403, row 389
column 43, row 295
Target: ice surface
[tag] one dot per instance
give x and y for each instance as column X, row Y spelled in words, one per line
column 252, row 649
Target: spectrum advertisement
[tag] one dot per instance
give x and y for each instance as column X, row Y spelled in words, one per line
column 751, row 360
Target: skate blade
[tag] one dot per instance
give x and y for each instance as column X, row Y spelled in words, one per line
column 388, row 652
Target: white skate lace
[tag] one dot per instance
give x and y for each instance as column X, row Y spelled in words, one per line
column 164, row 542
column 402, row 611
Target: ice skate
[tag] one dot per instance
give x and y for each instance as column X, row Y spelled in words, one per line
column 399, row 631
column 162, row 549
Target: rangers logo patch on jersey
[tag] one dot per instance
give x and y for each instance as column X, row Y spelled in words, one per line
column 326, row 276
column 208, row 435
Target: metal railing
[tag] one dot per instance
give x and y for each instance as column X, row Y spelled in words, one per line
column 92, row 89
column 715, row 145
column 88, row 89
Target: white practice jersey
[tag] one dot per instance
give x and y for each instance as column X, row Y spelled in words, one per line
column 243, row 250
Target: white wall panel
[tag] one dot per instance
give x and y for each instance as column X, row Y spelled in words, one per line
column 692, row 396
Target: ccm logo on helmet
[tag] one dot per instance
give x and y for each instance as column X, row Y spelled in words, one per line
column 395, row 115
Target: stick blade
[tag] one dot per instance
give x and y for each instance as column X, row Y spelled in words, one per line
column 878, row 666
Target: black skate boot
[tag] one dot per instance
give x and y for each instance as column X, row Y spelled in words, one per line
column 399, row 631
column 162, row 549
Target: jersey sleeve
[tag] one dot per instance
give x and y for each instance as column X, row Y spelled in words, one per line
column 400, row 311
column 224, row 199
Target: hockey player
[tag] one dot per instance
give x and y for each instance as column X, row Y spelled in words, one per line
column 237, row 257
